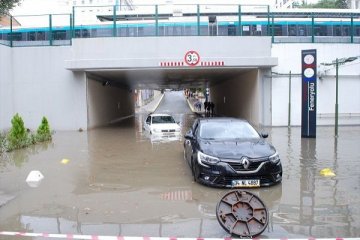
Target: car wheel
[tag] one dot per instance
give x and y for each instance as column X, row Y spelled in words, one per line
column 193, row 171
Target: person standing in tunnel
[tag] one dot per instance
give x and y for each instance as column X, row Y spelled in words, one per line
column 212, row 106
column 206, row 108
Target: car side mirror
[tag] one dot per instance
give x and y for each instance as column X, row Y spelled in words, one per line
column 189, row 135
column 264, row 135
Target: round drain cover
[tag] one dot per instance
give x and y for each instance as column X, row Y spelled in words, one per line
column 242, row 214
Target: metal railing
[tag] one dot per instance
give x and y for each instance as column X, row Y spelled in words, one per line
column 295, row 26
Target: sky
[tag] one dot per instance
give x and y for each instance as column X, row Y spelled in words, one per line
column 29, row 7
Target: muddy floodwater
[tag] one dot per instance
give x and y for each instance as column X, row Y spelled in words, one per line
column 119, row 181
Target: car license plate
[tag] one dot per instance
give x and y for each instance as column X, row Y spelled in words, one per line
column 246, row 183
column 168, row 133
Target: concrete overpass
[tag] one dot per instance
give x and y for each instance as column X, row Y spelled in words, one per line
column 154, row 63
column 91, row 83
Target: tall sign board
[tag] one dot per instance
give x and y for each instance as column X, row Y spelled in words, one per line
column 309, row 94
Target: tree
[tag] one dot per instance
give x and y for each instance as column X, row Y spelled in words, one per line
column 17, row 137
column 7, row 5
column 326, row 4
column 43, row 132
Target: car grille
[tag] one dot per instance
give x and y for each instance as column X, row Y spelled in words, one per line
column 170, row 130
column 239, row 167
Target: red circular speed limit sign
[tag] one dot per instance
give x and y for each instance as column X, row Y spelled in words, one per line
column 192, row 58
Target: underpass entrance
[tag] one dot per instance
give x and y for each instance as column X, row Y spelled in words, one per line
column 235, row 73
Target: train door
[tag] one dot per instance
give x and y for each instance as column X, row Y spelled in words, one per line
column 212, row 26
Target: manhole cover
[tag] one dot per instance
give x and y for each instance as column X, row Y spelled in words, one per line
column 242, row 214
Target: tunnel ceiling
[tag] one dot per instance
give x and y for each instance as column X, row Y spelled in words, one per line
column 155, row 78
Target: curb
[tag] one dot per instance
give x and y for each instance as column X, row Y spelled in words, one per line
column 157, row 105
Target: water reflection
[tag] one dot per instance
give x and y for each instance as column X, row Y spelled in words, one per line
column 324, row 206
column 19, row 156
column 118, row 182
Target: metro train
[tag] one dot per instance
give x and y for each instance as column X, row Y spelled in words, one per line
column 223, row 26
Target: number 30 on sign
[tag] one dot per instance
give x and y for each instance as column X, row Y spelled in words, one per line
column 192, row 58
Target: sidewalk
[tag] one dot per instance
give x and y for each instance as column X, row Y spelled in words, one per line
column 151, row 106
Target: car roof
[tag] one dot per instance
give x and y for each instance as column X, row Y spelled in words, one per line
column 158, row 114
column 222, row 119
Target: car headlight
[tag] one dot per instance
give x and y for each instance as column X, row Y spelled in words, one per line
column 275, row 158
column 206, row 159
column 155, row 130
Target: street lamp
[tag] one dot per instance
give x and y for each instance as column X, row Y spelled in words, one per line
column 336, row 63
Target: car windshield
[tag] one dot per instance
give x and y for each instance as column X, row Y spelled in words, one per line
column 162, row 119
column 227, row 130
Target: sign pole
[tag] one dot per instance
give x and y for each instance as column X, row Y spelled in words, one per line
column 337, row 99
column 309, row 93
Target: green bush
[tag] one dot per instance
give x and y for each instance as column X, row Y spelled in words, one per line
column 2, row 142
column 43, row 132
column 18, row 136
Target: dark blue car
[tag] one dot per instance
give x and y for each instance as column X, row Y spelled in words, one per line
column 229, row 152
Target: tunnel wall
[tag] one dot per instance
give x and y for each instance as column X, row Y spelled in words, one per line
column 238, row 97
column 107, row 104
column 35, row 83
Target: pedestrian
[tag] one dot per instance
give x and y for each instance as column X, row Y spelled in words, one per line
column 198, row 105
column 206, row 103
column 212, row 106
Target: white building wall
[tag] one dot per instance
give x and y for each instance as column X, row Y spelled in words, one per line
column 35, row 83
column 289, row 57
column 6, row 88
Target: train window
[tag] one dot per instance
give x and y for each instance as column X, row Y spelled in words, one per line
column 357, row 31
column 177, row 31
column 161, row 31
column 140, row 31
column 302, row 30
column 77, row 33
column 40, row 36
column 320, row 30
column 189, row 31
column 341, row 30
column 85, row 33
column 31, row 36
column 59, row 35
column 131, row 32
column 278, row 30
column 204, row 30
column 231, row 30
column 246, row 30
column 292, row 30
column 149, row 31
column 16, row 36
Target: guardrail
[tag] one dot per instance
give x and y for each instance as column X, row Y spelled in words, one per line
column 293, row 26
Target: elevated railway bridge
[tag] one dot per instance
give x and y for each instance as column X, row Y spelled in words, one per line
column 86, row 74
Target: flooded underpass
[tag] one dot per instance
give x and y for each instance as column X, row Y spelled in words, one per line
column 119, row 181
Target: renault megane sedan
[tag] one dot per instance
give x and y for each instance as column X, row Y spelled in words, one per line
column 229, row 152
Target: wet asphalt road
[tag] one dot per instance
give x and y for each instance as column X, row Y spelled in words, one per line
column 118, row 181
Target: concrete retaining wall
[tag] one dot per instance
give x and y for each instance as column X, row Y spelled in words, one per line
column 289, row 57
column 34, row 83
